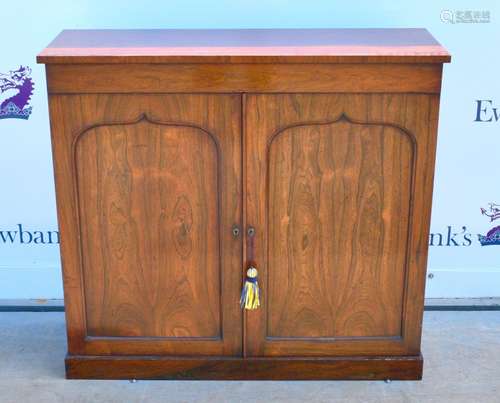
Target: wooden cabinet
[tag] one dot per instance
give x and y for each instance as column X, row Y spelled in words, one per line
column 182, row 157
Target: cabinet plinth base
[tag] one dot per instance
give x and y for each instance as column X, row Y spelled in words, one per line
column 225, row 368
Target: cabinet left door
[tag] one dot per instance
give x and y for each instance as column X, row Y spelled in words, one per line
column 148, row 193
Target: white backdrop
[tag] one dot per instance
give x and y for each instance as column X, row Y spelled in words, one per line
column 468, row 162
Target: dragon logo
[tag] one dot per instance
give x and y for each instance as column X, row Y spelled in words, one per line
column 16, row 88
column 493, row 235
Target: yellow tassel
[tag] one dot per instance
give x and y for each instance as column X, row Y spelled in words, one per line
column 250, row 295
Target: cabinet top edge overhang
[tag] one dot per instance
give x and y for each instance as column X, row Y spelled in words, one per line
column 368, row 45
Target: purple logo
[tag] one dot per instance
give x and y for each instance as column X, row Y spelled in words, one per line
column 16, row 88
column 493, row 235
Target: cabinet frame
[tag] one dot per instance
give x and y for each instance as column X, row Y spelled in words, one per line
column 241, row 79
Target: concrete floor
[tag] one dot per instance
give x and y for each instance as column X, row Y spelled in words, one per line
column 461, row 352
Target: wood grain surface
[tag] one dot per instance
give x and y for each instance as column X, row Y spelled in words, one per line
column 148, row 252
column 149, row 219
column 262, row 78
column 226, row 368
column 337, row 200
column 382, row 45
column 336, row 190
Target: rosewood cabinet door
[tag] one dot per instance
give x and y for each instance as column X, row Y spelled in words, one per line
column 336, row 187
column 149, row 188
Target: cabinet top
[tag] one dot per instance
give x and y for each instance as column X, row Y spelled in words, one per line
column 393, row 45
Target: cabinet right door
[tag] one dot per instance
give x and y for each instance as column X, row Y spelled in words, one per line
column 339, row 190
